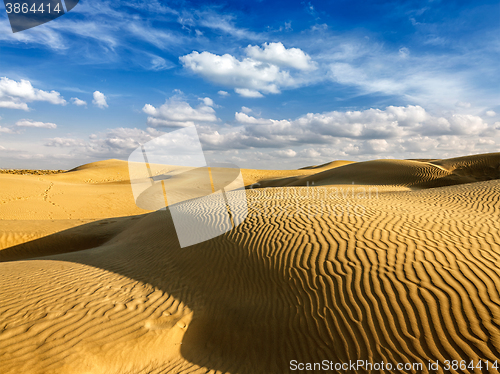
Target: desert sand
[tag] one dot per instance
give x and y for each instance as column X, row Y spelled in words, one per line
column 385, row 261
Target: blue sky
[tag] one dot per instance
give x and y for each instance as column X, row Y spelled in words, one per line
column 269, row 84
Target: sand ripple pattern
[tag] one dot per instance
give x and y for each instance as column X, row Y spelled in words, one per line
column 400, row 276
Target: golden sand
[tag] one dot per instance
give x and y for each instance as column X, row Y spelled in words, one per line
column 403, row 266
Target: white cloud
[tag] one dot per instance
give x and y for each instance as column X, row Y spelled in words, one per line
column 289, row 153
column 114, row 143
column 486, row 142
column 177, row 113
column 123, row 139
column 13, row 105
column 490, row 113
column 462, row 104
column 45, row 36
column 223, row 93
column 404, row 52
column 222, row 23
column 246, row 110
column 432, row 80
column 310, row 153
column 466, row 124
column 247, row 74
column 207, row 101
column 16, row 95
column 103, row 33
column 420, row 82
column 159, row 63
column 100, row 100
column 244, row 118
column 377, row 145
column 277, row 54
column 153, row 6
column 314, row 138
column 64, row 142
column 159, row 38
column 245, row 92
column 261, row 72
column 77, row 101
column 120, row 141
column 6, row 130
column 415, row 146
column 377, row 130
column 31, row 123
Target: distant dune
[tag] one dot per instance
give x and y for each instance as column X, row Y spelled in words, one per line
column 393, row 261
column 408, row 173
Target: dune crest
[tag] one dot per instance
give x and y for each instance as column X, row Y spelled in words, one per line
column 408, row 173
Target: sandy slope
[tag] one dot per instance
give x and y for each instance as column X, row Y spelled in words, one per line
column 338, row 272
column 411, row 173
column 33, row 206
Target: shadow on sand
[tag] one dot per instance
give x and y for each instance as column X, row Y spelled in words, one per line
column 251, row 310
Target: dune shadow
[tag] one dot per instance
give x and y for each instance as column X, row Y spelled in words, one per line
column 85, row 236
column 245, row 303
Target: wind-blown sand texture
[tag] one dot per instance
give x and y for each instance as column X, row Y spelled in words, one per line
column 401, row 267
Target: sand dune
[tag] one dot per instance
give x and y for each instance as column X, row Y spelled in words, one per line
column 33, row 206
column 385, row 270
column 409, row 173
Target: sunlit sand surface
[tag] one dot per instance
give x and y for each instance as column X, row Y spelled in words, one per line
column 391, row 261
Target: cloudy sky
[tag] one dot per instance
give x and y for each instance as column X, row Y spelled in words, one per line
column 268, row 84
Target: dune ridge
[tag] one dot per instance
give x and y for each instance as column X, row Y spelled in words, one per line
column 313, row 273
column 409, row 173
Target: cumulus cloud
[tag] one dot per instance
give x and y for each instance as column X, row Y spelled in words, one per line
column 64, row 142
column 490, row 113
column 31, row 123
column 78, row 102
column 245, row 118
column 122, row 140
column 100, row 100
column 415, row 146
column 483, row 141
column 371, row 130
column 207, row 101
column 245, row 92
column 466, row 124
column 261, row 72
column 6, row 130
column 223, row 93
column 177, row 113
column 247, row 74
column 118, row 142
column 16, row 95
column 288, row 153
column 277, row 54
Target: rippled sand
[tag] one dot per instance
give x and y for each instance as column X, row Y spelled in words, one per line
column 403, row 266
